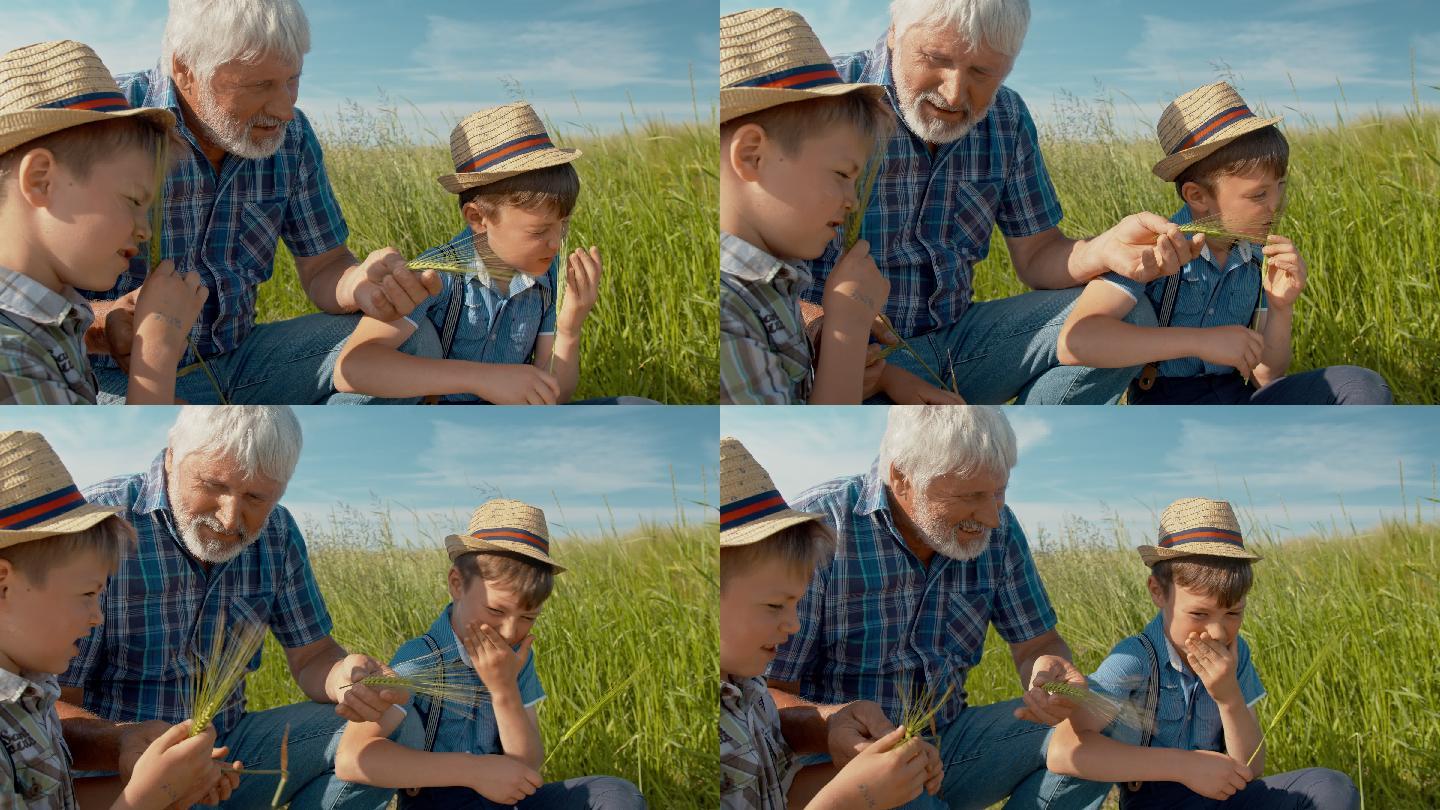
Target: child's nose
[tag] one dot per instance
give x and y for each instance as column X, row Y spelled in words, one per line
column 1217, row 632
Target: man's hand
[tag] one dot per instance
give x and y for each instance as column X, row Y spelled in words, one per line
column 1215, row 663
column 1041, row 706
column 853, row 727
column 497, row 665
column 113, row 331
column 1214, row 775
column 1144, row 247
column 904, row 388
column 582, row 287
column 1285, row 272
column 1232, row 345
column 384, row 287
column 354, row 700
column 174, row 771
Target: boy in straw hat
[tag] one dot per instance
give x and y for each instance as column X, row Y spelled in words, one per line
column 78, row 174
column 768, row 552
column 56, row 553
column 486, row 755
column 1228, row 166
column 794, row 139
column 501, row 338
column 1192, row 676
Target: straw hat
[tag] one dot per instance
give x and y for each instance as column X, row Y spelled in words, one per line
column 500, row 142
column 505, row 525
column 768, row 57
column 1197, row 526
column 751, row 509
column 1198, row 123
column 51, row 86
column 38, row 498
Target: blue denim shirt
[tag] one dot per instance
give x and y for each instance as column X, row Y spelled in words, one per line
column 1209, row 296
column 495, row 326
column 1186, row 716
column 464, row 729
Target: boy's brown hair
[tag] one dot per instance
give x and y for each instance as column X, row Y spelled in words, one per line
column 79, row 148
column 1227, row 579
column 530, row 579
column 110, row 538
column 791, row 124
column 800, row 548
column 1263, row 148
column 553, row 188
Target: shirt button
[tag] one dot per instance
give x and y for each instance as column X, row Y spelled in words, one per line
column 1212, row 311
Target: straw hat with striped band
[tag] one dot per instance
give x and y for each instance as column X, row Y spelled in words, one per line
column 500, row 142
column 751, row 509
column 38, row 498
column 505, row 525
column 51, row 86
column 1197, row 526
column 1198, row 123
column 769, row 57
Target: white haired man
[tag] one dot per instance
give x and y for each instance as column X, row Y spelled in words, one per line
column 250, row 172
column 214, row 546
column 966, row 160
column 927, row 558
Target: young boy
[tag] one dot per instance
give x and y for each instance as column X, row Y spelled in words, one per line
column 486, row 756
column 77, row 177
column 501, row 340
column 56, row 552
column 1228, row 167
column 767, row 554
column 793, row 141
column 1192, row 673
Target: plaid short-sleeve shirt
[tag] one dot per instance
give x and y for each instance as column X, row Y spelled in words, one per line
column 35, row 763
column 765, row 354
column 930, row 217
column 756, row 764
column 162, row 607
column 42, row 344
column 876, row 617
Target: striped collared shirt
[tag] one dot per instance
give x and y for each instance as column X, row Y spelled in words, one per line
column 42, row 344
column 227, row 225
column 930, row 217
column 756, row 764
column 877, row 619
column 162, row 607
column 765, row 355
column 35, row 765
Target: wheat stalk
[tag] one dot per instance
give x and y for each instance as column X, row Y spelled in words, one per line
column 1234, row 231
column 1103, row 706
column 864, row 185
column 217, row 676
column 1300, row 684
column 917, row 711
column 590, row 714
column 430, row 675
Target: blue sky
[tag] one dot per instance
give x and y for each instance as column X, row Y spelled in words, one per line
column 435, row 465
column 1143, row 54
column 1293, row 469
column 447, row 57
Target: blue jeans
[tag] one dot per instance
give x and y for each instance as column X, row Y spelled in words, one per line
column 315, row 731
column 1005, row 349
column 1305, row 789
column 581, row 793
column 282, row 363
column 1333, row 385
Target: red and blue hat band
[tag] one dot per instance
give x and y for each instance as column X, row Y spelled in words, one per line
column 1202, row 535
column 750, row 509
column 799, row 78
column 505, row 151
column 38, row 510
column 534, row 541
column 1207, row 130
column 91, row 102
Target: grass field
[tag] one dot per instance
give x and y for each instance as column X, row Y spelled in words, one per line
column 1363, row 209
column 648, row 197
column 639, row 603
column 1373, row 710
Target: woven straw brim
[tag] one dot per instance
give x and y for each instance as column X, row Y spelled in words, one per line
column 1171, row 166
column 17, row 128
column 540, row 159
column 1154, row 554
column 738, row 101
column 456, row 544
column 76, row 520
column 762, row 528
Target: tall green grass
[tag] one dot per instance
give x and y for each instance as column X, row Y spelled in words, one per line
column 638, row 607
column 648, row 200
column 1363, row 209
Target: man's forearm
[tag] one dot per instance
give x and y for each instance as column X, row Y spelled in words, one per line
column 313, row 675
column 326, row 286
column 1058, row 264
column 94, row 742
column 804, row 725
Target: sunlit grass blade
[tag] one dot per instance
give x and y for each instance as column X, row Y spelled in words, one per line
column 218, row 676
column 1295, row 692
column 590, row 714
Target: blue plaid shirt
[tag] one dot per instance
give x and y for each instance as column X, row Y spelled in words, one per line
column 228, row 225
column 1209, row 295
column 930, row 218
column 161, row 607
column 876, row 617
column 1186, row 716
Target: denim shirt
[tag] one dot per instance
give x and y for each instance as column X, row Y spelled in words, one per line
column 496, row 326
column 1209, row 295
column 463, row 729
column 1186, row 717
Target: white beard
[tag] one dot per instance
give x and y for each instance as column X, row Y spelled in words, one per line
column 229, row 133
column 214, row 552
column 932, row 130
column 944, row 539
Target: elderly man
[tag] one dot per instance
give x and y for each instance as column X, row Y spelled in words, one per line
column 215, row 546
column 927, row 557
column 250, row 172
column 965, row 160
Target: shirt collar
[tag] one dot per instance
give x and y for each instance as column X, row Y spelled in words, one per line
column 872, row 492
column 14, row 688
column 33, row 301
column 743, row 692
column 153, row 497
column 753, row 264
column 1244, row 251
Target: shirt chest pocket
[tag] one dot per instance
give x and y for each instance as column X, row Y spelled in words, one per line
column 257, row 238
column 966, row 621
column 1193, row 297
column 972, row 205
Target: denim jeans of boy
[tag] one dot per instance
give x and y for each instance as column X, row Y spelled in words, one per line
column 1333, row 385
column 1305, row 789
column 581, row 793
column 1006, row 349
column 283, row 363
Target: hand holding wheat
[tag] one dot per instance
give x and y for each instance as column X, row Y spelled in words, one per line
column 384, row 287
column 357, row 701
column 1144, row 247
column 583, row 272
column 890, row 772
column 1285, row 273
column 853, row 728
column 497, row 665
column 1213, row 775
column 1042, row 705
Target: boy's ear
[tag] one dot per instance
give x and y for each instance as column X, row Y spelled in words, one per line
column 471, row 212
column 7, row 577
column 1157, row 591
column 36, row 177
column 746, row 148
column 1196, row 196
column 455, row 582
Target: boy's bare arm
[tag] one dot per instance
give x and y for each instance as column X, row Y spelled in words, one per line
column 1096, row 335
column 367, row 757
column 1275, row 357
column 1243, row 735
column 559, row 356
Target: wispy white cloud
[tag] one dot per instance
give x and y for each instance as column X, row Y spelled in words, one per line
column 125, row 41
